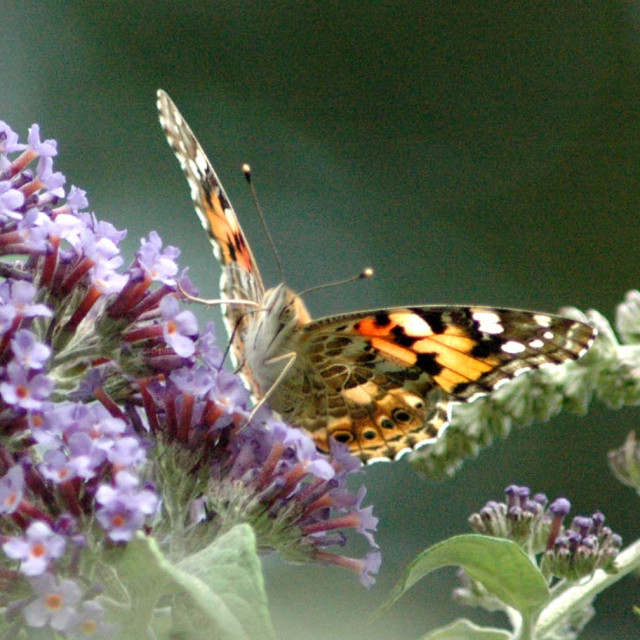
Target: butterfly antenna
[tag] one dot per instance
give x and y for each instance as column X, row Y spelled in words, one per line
column 365, row 273
column 246, row 169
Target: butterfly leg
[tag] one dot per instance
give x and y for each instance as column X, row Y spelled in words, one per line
column 290, row 358
column 218, row 301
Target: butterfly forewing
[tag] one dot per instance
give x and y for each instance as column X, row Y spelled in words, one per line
column 240, row 275
column 382, row 381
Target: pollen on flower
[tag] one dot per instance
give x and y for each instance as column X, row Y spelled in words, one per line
column 89, row 627
column 12, row 486
column 37, row 421
column 53, row 601
column 118, row 521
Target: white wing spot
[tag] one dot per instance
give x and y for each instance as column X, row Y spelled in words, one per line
column 548, row 335
column 362, row 394
column 425, row 443
column 403, row 452
column 488, row 322
column 192, row 166
column 412, row 324
column 536, row 344
column 542, row 319
column 502, row 382
column 414, row 400
column 201, row 162
column 513, row 347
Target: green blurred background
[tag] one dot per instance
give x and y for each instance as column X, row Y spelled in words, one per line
column 469, row 151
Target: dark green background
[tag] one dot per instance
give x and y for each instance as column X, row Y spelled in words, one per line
column 470, row 152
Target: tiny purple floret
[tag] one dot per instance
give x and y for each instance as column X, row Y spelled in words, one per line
column 36, row 549
column 55, row 603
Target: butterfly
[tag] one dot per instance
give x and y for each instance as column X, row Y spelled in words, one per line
column 383, row 381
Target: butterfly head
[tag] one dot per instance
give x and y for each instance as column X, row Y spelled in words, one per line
column 285, row 307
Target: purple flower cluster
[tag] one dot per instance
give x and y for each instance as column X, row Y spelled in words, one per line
column 66, row 461
column 259, row 471
column 519, row 518
column 108, row 393
column 576, row 552
column 572, row 553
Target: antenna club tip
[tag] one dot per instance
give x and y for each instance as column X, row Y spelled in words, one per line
column 246, row 169
column 367, row 273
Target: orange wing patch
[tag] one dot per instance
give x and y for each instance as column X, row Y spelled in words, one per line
column 209, row 198
column 222, row 225
column 453, row 355
column 395, row 352
column 445, row 352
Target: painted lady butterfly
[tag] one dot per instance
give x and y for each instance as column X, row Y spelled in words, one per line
column 380, row 381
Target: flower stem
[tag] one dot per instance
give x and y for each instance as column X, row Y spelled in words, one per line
column 527, row 630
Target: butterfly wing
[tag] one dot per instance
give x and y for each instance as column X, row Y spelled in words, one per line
column 240, row 277
column 383, row 381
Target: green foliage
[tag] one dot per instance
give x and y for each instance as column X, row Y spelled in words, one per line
column 217, row 593
column 501, row 566
column 467, row 630
column 504, row 577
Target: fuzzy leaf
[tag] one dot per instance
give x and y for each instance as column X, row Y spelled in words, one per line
column 230, row 570
column 465, row 629
column 141, row 574
column 216, row 593
column 500, row 565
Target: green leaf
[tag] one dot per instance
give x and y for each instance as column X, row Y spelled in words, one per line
column 217, row 593
column 230, row 573
column 500, row 565
column 137, row 575
column 466, row 630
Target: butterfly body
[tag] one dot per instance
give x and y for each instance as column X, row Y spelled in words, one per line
column 381, row 381
column 271, row 337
